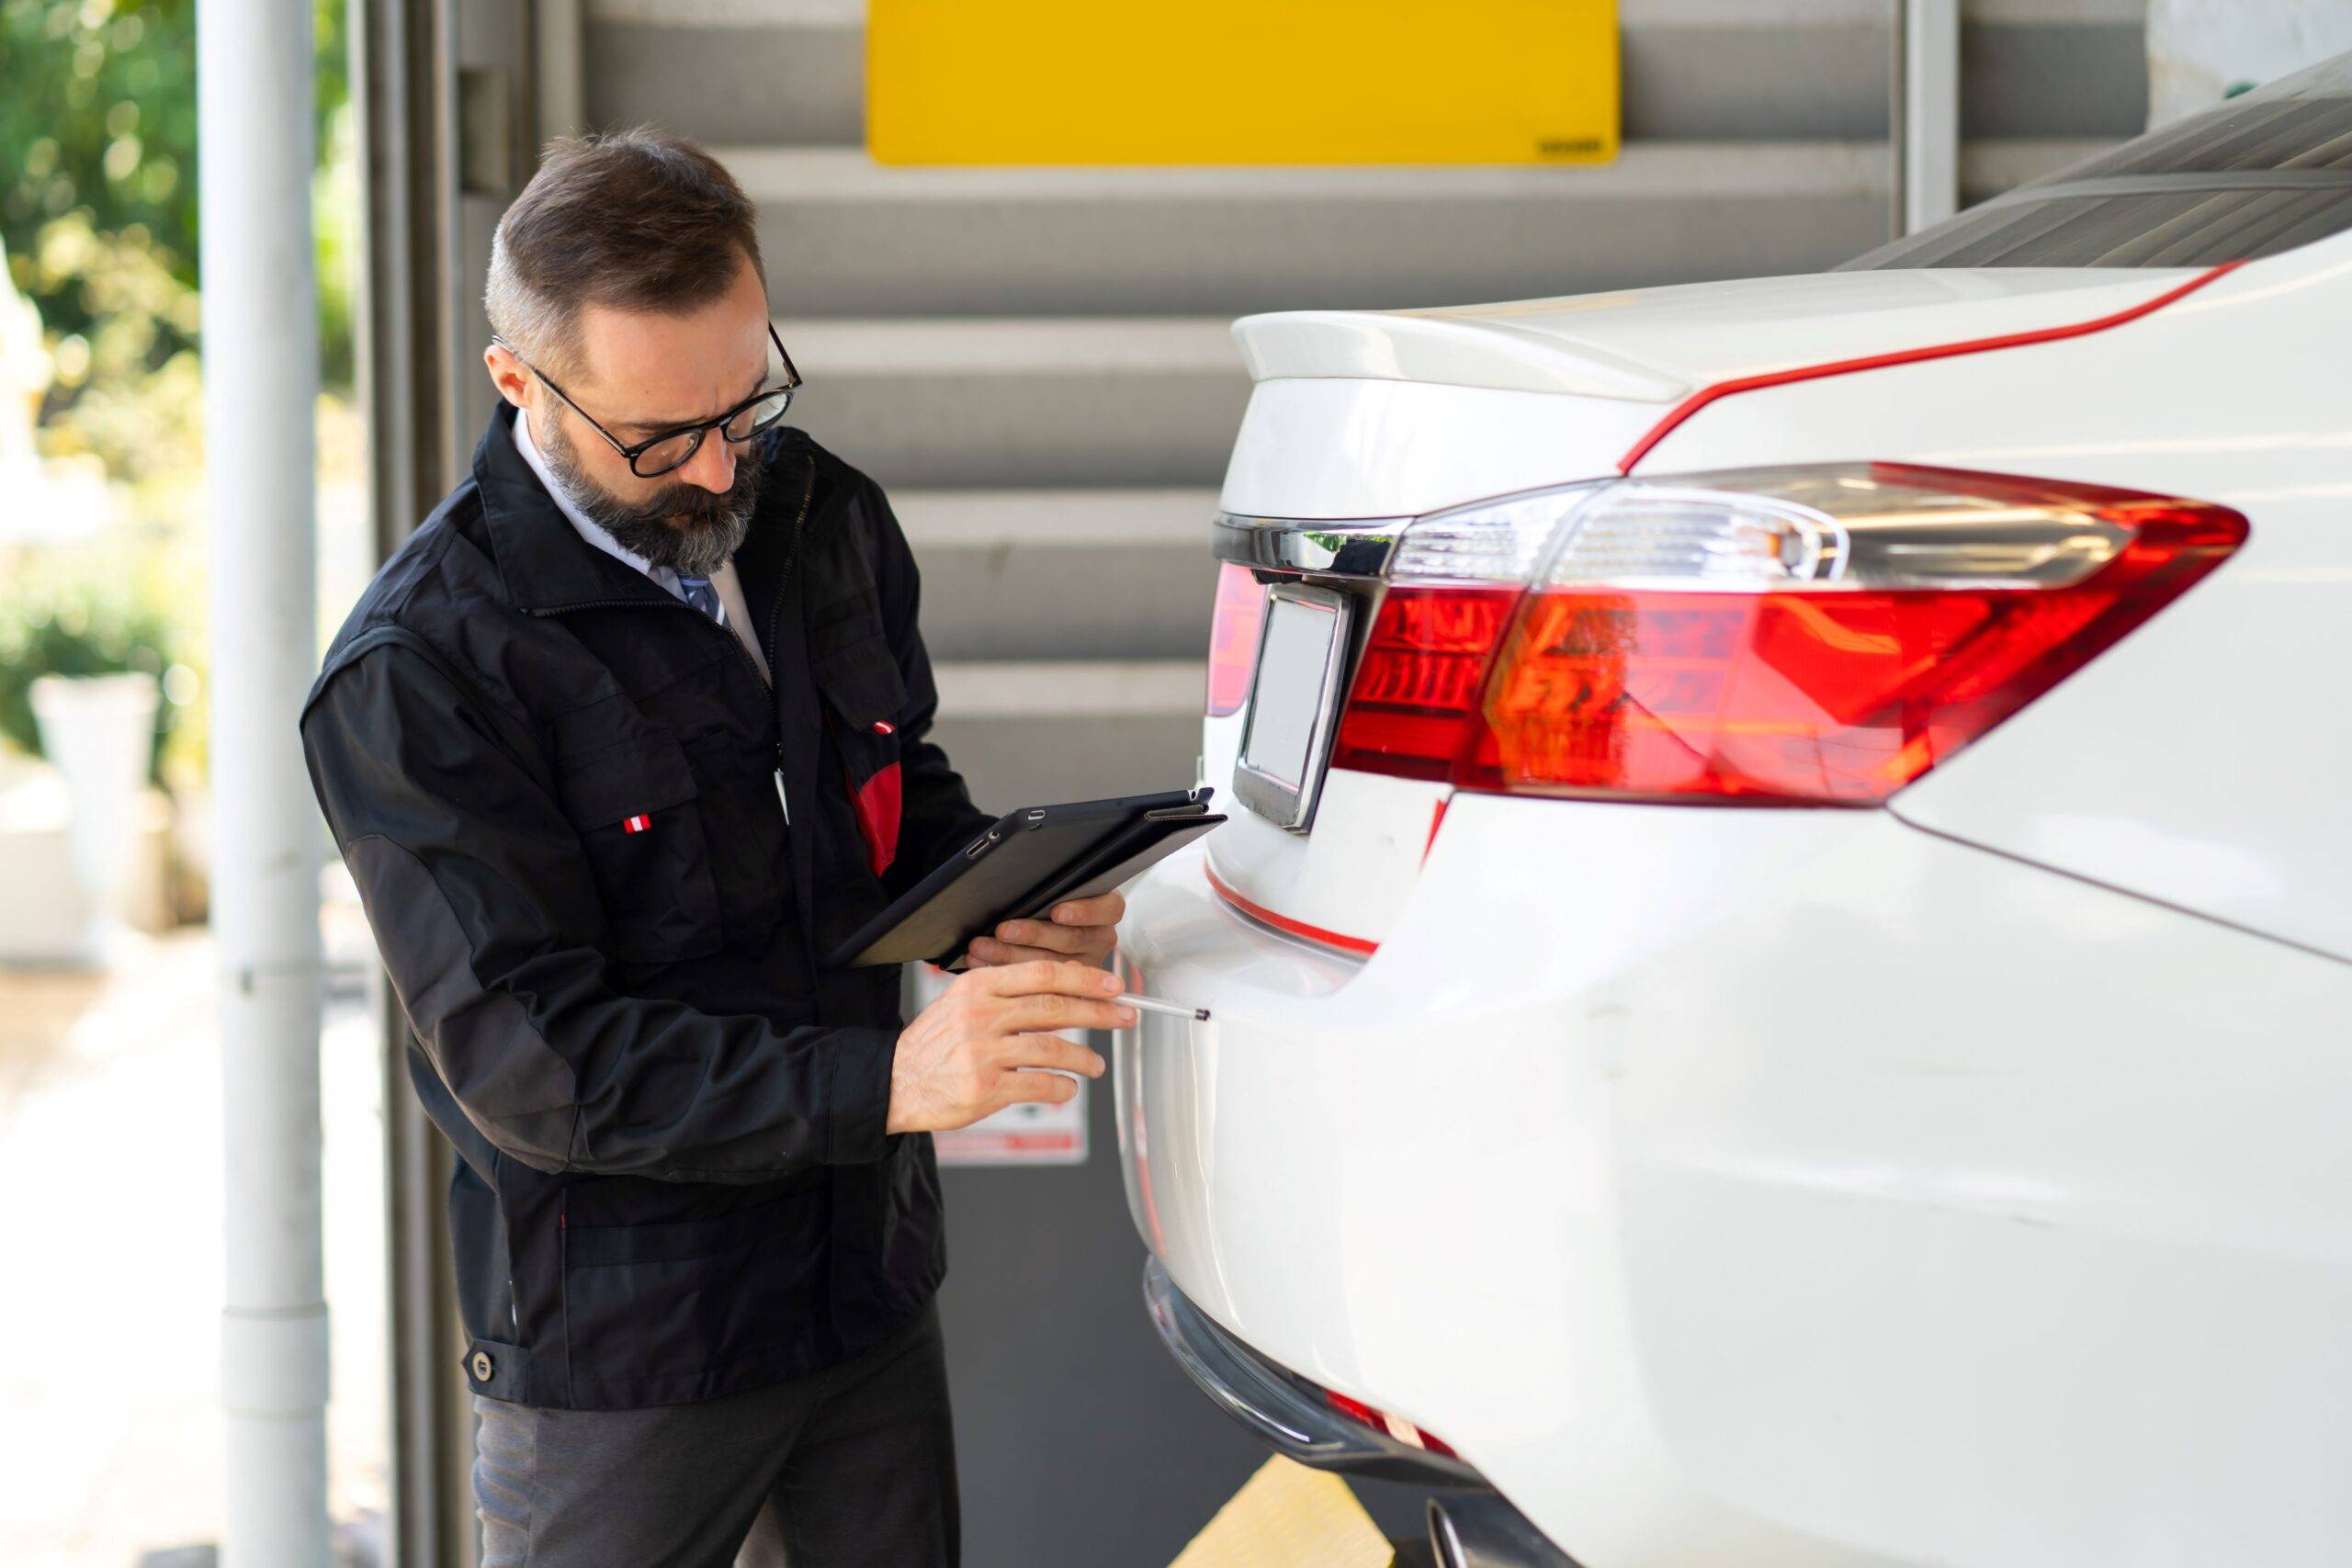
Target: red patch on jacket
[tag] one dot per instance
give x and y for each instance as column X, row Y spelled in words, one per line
column 876, row 801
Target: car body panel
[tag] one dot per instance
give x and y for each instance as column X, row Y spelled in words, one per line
column 2198, row 761
column 1958, row 1182
column 1783, row 1236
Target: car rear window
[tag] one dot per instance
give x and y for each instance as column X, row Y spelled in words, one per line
column 2248, row 177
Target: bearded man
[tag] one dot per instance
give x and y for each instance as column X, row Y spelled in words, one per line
column 633, row 728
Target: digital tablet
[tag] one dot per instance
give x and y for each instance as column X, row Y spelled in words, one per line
column 1006, row 867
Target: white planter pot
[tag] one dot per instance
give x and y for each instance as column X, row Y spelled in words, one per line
column 98, row 730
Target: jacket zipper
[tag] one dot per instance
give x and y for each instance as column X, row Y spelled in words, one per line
column 776, row 619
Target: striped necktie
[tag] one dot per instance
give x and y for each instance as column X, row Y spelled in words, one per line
column 702, row 596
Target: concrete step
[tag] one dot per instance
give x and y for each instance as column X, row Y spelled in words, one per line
column 1055, row 402
column 1025, row 732
column 850, row 237
column 1029, row 574
column 1022, row 402
column 792, row 71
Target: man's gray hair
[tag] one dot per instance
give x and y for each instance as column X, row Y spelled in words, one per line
column 636, row 221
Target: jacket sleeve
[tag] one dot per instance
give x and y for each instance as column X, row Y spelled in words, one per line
column 487, row 916
column 936, row 813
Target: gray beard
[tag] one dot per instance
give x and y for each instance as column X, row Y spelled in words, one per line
column 691, row 531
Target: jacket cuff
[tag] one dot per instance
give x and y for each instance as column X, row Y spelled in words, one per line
column 857, row 1094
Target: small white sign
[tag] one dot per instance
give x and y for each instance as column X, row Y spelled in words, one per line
column 1018, row 1134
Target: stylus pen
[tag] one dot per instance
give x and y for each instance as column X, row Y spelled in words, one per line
column 1153, row 1004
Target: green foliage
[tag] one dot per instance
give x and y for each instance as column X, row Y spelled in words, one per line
column 97, row 117
column 98, row 186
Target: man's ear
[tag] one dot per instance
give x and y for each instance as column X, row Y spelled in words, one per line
column 506, row 374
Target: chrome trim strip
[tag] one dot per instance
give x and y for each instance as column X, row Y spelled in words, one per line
column 1279, row 1412
column 1357, row 547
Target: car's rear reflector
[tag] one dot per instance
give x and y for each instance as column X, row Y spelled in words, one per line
column 1823, row 634
column 1233, row 637
column 1380, row 1420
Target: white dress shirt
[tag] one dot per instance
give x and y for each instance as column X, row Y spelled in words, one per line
column 735, row 613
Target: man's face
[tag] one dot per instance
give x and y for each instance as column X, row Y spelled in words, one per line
column 641, row 375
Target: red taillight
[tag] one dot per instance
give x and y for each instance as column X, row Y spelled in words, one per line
column 1819, row 635
column 1417, row 684
column 1233, row 637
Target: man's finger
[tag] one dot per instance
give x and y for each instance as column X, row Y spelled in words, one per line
column 1103, row 909
column 1056, row 939
column 986, row 951
column 1052, row 1051
column 1061, row 975
column 1041, row 1088
column 1036, row 1014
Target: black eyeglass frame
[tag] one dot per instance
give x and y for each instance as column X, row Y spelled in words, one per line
column 630, row 452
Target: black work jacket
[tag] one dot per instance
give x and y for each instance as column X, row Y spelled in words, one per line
column 557, row 786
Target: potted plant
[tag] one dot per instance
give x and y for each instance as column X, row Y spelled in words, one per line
column 79, row 684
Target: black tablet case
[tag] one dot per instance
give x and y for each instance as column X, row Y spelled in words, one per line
column 1122, row 855
column 1004, row 869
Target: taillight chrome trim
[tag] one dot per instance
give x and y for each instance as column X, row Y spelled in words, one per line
column 1356, row 547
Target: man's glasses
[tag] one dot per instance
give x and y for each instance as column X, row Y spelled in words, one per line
column 658, row 455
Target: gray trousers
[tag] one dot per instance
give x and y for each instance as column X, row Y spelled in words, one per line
column 852, row 1465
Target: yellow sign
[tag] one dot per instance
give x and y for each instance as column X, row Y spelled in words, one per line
column 1241, row 82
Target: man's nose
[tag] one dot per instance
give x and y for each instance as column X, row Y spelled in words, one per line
column 712, row 466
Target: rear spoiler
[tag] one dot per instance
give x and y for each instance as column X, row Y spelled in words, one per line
column 1390, row 346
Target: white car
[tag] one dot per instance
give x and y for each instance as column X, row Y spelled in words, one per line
column 1780, row 977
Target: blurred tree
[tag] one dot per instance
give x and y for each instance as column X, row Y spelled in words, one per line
column 98, row 213
column 98, row 187
column 98, row 168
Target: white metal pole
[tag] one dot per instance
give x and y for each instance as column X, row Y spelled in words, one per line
column 558, row 84
column 1929, row 113
column 254, row 115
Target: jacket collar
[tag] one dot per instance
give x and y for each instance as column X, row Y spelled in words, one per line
column 543, row 561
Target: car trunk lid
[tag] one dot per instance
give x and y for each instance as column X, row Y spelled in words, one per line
column 1360, row 421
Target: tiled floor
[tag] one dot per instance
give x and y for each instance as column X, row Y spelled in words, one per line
column 110, row 1259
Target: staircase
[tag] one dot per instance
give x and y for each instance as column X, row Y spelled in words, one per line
column 1034, row 360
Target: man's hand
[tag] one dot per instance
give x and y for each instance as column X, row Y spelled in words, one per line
column 1083, row 928
column 975, row 1048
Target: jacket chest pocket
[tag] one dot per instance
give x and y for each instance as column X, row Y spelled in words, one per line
column 864, row 697
column 638, row 815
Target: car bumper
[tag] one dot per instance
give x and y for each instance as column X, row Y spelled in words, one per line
column 1277, row 1410
column 1474, row 1528
column 1749, row 1187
